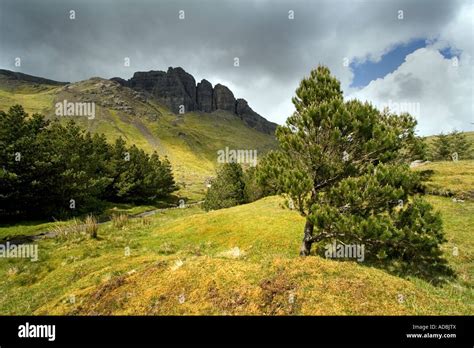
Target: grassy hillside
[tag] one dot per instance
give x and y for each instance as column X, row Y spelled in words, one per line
column 450, row 178
column 190, row 141
column 34, row 100
column 241, row 260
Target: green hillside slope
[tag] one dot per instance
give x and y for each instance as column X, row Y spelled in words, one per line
column 190, row 141
column 236, row 261
column 241, row 260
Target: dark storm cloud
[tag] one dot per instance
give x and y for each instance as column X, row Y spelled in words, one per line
column 274, row 51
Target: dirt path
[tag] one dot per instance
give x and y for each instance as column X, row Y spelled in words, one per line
column 22, row 239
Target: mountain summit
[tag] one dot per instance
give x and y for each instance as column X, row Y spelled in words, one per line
column 177, row 89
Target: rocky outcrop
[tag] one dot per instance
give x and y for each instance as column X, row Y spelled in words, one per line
column 251, row 118
column 223, row 99
column 176, row 88
column 119, row 80
column 241, row 106
column 189, row 85
column 204, row 96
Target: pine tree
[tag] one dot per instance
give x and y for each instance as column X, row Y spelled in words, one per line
column 460, row 145
column 167, row 182
column 160, row 178
column 137, row 176
column 253, row 190
column 445, row 146
column 227, row 189
column 344, row 167
column 442, row 147
column 54, row 170
column 23, row 172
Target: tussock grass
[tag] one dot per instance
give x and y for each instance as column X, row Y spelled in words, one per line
column 145, row 221
column 119, row 221
column 91, row 226
column 71, row 230
column 28, row 228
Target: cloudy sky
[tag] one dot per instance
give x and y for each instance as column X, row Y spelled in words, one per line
column 407, row 55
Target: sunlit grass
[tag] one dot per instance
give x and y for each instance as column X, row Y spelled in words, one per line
column 451, row 178
column 184, row 254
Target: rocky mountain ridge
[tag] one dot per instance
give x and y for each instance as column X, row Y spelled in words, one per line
column 175, row 89
column 178, row 90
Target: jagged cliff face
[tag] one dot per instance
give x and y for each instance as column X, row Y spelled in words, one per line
column 204, row 98
column 223, row 99
column 173, row 88
column 177, row 89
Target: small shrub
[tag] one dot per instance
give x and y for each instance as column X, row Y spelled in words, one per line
column 119, row 220
column 227, row 189
column 91, row 226
column 145, row 221
column 67, row 231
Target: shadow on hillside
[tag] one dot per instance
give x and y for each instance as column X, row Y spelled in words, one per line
column 436, row 273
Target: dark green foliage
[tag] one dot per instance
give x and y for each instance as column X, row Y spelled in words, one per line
column 139, row 177
column 375, row 209
column 445, row 145
column 227, row 189
column 344, row 166
column 79, row 176
column 461, row 145
column 234, row 186
column 442, row 148
column 49, row 169
column 252, row 190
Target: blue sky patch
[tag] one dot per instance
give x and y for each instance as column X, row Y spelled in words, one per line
column 368, row 70
column 449, row 53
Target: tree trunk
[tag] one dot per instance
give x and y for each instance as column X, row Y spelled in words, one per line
column 308, row 234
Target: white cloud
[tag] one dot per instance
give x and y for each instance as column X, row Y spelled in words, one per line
column 442, row 93
column 441, row 87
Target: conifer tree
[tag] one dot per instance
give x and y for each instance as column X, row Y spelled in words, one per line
column 344, row 166
column 442, row 147
column 460, row 145
column 445, row 146
column 48, row 169
column 227, row 189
